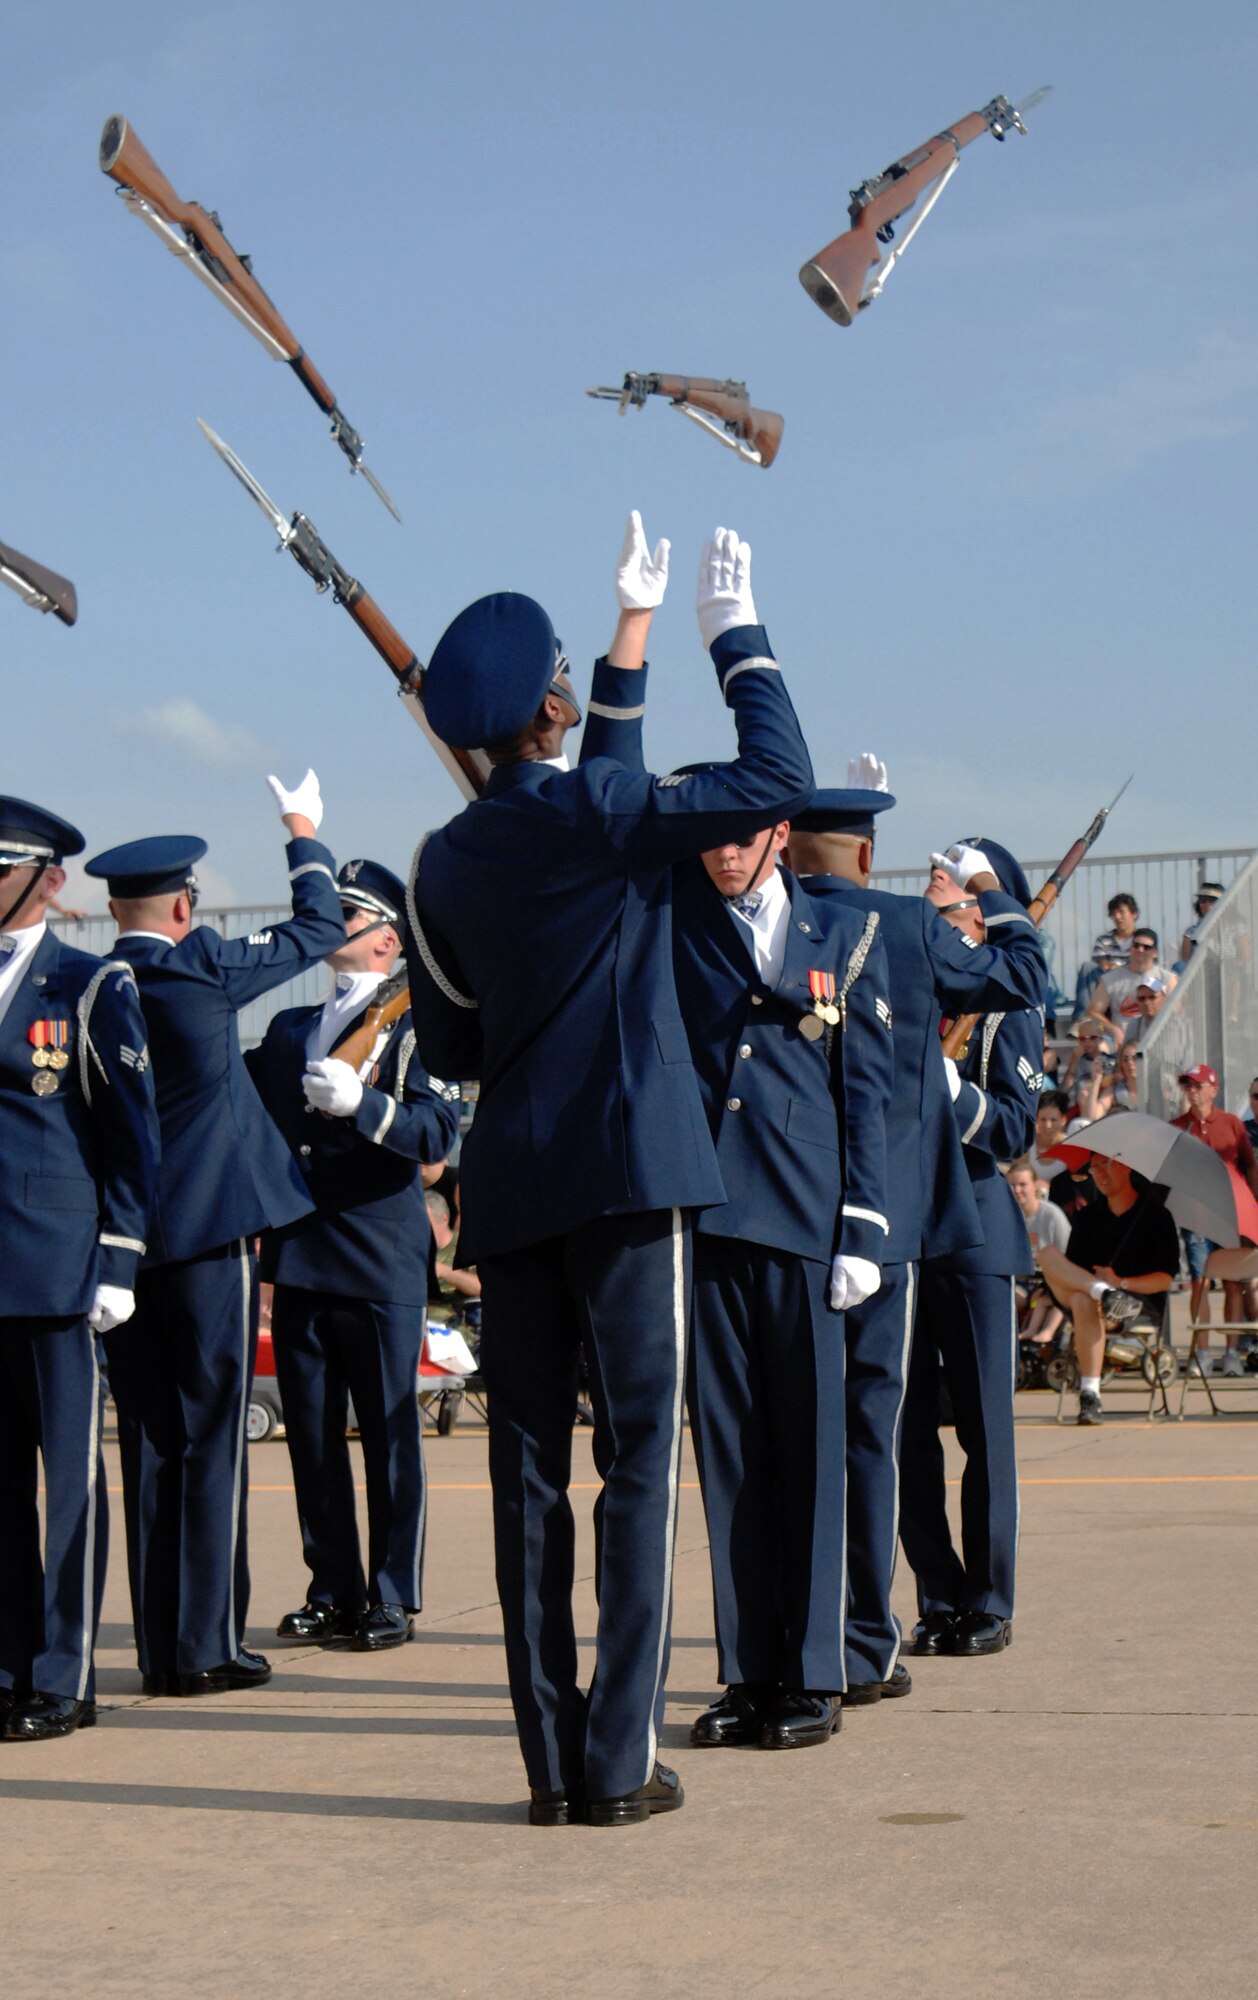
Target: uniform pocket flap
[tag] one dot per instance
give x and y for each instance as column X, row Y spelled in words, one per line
column 61, row 1191
column 815, row 1124
column 674, row 1044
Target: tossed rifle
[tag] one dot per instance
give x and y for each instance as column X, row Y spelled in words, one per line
column 41, row 588
column 850, row 272
column 195, row 234
column 391, row 1000
column 468, row 768
column 723, row 408
column 957, row 1039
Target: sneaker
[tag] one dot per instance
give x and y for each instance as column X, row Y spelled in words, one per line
column 1232, row 1362
column 1200, row 1362
column 1090, row 1411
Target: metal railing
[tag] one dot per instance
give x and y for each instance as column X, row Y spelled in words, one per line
column 1212, row 1016
column 1162, row 884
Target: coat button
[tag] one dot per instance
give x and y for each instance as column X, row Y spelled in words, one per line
column 745, row 1049
column 806, row 929
column 733, row 1104
column 757, row 1000
column 39, row 980
column 305, row 1152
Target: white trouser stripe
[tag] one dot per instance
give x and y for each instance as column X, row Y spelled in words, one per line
column 89, row 1530
column 674, row 1473
column 239, row 1466
column 1013, row 1385
column 417, row 1588
column 910, row 1293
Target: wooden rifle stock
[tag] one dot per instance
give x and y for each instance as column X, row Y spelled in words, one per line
column 728, row 402
column 391, row 1002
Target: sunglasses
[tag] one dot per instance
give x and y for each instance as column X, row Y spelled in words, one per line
column 1143, row 944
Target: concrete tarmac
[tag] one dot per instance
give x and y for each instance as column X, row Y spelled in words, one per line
column 1076, row 1817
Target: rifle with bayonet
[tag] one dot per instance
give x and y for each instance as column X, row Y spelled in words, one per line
column 195, row 235
column 41, row 588
column 721, row 408
column 957, row 1039
column 468, row 768
column 849, row 273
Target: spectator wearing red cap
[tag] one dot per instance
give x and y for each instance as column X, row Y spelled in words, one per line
column 1226, row 1136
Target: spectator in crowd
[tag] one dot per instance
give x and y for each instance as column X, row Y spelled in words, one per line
column 1203, row 903
column 1092, row 1057
column 1124, row 914
column 1251, row 1123
column 1148, row 1001
column 1115, row 1090
column 1104, row 959
column 1045, row 1224
column 1226, row 1136
column 1051, row 1115
column 1112, row 993
column 456, row 1285
column 1074, row 1189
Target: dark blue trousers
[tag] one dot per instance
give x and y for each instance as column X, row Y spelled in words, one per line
column 180, row 1373
column 327, row 1349
column 621, row 1286
column 50, row 1408
column 766, row 1400
column 967, row 1320
column 878, row 1336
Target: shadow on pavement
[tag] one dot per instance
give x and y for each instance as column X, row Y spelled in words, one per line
column 269, row 1722
column 203, row 1798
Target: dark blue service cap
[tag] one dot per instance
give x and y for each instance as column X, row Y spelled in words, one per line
column 30, row 834
column 842, row 811
column 159, row 866
column 491, row 671
column 1007, row 870
column 369, row 886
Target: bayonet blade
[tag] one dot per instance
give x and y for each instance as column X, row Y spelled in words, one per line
column 280, row 522
column 1036, row 97
column 376, row 487
column 1117, row 796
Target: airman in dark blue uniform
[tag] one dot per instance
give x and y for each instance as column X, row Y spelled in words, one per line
column 931, row 1207
column 79, row 1144
column 181, row 1378
column 541, row 962
column 967, row 1317
column 351, row 1279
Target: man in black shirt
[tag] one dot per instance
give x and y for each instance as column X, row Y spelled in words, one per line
column 1122, row 1250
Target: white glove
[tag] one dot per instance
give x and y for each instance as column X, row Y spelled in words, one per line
column 852, row 1281
column 1099, row 1289
column 110, row 1308
column 333, row 1087
column 303, row 799
column 866, row 774
column 641, row 578
column 953, row 1075
column 724, row 598
column 962, row 863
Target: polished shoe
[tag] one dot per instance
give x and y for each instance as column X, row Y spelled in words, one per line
column 9, row 1700
column 661, row 1793
column 42, row 1715
column 565, row 1808
column 859, row 1693
column 1090, row 1411
column 979, row 1632
column 247, row 1670
column 318, row 1621
column 384, row 1625
column 932, row 1634
column 158, row 1684
column 797, row 1720
column 736, row 1717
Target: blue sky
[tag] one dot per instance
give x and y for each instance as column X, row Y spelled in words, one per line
column 1008, row 539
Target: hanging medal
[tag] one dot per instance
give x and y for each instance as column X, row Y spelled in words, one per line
column 821, row 986
column 49, row 1040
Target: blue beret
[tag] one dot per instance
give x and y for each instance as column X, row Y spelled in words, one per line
column 160, row 866
column 841, row 811
column 29, row 833
column 1007, row 870
column 369, row 886
column 490, row 672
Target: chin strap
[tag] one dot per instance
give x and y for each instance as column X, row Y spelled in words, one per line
column 755, row 873
column 28, row 892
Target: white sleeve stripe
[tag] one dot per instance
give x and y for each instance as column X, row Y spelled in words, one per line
column 615, row 714
column 1012, row 917
column 745, row 667
column 868, row 1215
column 313, row 868
column 108, row 1242
column 979, row 1116
column 390, row 1112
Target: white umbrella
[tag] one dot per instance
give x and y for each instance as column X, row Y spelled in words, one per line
column 1202, row 1192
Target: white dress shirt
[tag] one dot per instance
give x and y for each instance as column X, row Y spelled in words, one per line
column 350, row 994
column 766, row 927
column 17, row 948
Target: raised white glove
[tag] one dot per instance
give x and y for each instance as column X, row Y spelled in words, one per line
column 724, row 598
column 111, row 1306
column 852, row 1281
column 641, row 578
column 962, row 863
column 303, row 799
column 953, row 1075
column 866, row 774
column 332, row 1086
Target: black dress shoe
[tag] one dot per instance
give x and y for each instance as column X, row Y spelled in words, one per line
column 797, row 1720
column 978, row 1632
column 661, row 1793
column 42, row 1715
column 9, row 1699
column 247, row 1670
column 932, row 1634
column 384, row 1625
column 859, row 1693
column 735, row 1718
column 566, row 1808
column 318, row 1621
column 163, row 1683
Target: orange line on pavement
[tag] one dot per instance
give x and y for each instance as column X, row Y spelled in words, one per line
column 692, row 1485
